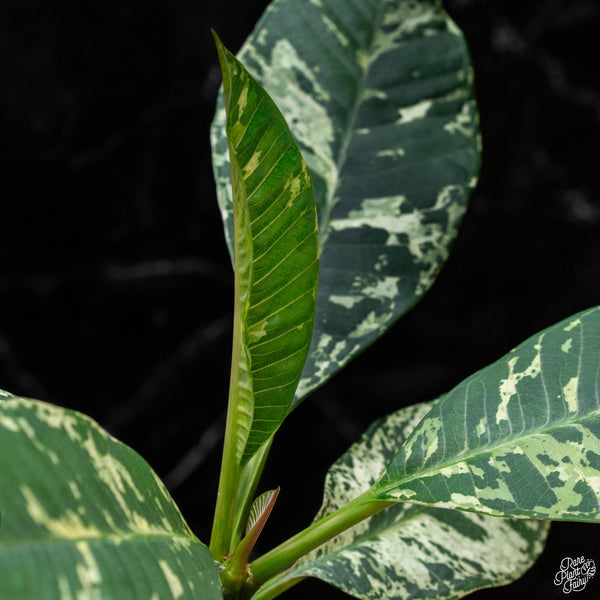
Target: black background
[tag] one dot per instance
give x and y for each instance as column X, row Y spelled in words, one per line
column 116, row 286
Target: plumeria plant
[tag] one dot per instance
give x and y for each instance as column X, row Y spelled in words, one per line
column 345, row 147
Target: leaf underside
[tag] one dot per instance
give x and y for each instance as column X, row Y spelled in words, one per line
column 520, row 437
column 378, row 94
column 411, row 552
column 276, row 256
column 83, row 516
column 259, row 507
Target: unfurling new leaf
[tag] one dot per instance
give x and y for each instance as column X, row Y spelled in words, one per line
column 276, row 258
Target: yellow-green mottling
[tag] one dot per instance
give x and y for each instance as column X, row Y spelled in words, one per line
column 276, row 256
column 85, row 518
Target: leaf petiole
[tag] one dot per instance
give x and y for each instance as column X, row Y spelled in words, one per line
column 284, row 555
column 248, row 482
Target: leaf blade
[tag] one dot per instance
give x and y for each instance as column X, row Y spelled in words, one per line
column 380, row 102
column 525, row 434
column 82, row 514
column 276, row 255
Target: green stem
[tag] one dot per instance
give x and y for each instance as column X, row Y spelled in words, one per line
column 278, row 559
column 237, row 415
column 275, row 588
column 227, row 491
column 230, row 472
column 248, row 482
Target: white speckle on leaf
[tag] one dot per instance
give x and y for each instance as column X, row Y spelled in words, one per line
column 333, row 28
column 414, row 112
column 566, row 346
column 393, row 152
column 384, row 288
column 373, row 93
column 573, row 324
column 481, row 426
column 75, row 490
column 251, row 165
column 463, row 122
column 68, row 525
column 508, row 386
column 346, row 301
column 570, row 394
column 173, row 581
column 370, row 324
column 8, row 423
column 88, row 572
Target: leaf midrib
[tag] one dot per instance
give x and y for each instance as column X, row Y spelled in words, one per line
column 105, row 537
column 466, row 457
column 348, row 134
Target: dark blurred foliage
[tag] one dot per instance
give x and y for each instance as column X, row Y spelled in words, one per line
column 116, row 286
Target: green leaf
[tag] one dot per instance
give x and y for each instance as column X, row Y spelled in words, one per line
column 378, row 94
column 83, row 516
column 520, row 437
column 276, row 258
column 408, row 551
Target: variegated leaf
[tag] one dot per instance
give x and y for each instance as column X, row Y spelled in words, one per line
column 410, row 552
column 84, row 517
column 5, row 395
column 520, row 437
column 378, row 94
column 276, row 258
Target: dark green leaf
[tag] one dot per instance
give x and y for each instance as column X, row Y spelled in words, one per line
column 520, row 437
column 378, row 94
